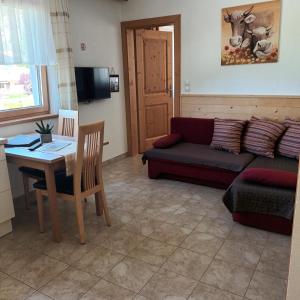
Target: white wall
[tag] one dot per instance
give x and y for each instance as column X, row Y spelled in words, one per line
column 97, row 22
column 201, row 43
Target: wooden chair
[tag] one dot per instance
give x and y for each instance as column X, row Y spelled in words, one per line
column 67, row 126
column 68, row 122
column 87, row 179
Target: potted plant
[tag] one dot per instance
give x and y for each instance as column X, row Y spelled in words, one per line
column 45, row 132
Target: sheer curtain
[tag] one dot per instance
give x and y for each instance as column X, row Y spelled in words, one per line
column 66, row 73
column 25, row 33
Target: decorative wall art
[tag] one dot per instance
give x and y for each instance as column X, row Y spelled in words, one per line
column 114, row 83
column 250, row 33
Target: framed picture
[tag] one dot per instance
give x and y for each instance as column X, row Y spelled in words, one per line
column 114, row 83
column 250, row 33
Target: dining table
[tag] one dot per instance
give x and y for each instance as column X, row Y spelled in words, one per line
column 49, row 162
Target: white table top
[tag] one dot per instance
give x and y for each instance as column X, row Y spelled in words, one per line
column 49, row 157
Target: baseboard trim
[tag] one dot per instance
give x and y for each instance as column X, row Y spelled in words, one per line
column 115, row 159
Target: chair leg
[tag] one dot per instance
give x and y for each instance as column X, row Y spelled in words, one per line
column 105, row 208
column 98, row 202
column 80, row 222
column 40, row 206
column 26, row 191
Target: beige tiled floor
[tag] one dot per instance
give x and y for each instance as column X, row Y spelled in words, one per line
column 169, row 240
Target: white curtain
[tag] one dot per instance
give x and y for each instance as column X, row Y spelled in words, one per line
column 64, row 53
column 25, row 33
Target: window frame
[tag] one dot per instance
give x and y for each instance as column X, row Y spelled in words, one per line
column 20, row 113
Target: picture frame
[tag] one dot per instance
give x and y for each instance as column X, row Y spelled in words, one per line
column 250, row 33
column 114, row 83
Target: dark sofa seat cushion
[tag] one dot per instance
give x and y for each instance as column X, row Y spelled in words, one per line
column 203, row 155
column 64, row 184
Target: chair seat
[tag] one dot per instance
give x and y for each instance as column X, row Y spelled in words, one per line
column 64, row 184
column 31, row 172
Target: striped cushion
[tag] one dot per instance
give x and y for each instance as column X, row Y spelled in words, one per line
column 227, row 135
column 261, row 136
column 289, row 144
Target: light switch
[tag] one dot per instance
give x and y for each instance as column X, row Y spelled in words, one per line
column 83, row 46
column 187, row 86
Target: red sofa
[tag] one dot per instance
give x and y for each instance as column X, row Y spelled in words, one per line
column 192, row 160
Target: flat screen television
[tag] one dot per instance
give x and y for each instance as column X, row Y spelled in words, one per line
column 92, row 83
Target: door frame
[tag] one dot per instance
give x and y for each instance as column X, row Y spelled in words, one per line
column 129, row 70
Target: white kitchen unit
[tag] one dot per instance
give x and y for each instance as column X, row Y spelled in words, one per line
column 7, row 211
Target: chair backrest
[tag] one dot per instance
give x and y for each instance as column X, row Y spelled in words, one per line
column 89, row 156
column 68, row 122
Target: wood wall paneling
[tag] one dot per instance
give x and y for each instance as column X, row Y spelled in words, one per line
column 240, row 107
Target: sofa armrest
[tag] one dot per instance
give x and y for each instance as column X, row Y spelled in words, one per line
column 168, row 141
column 270, row 177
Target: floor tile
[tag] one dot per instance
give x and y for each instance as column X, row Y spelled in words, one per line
column 104, row 290
column 131, row 274
column 14, row 257
column 38, row 296
column 188, row 263
column 265, row 287
column 279, row 240
column 168, row 285
column 122, row 241
column 171, row 234
column 217, row 227
column 140, row 297
column 12, row 289
column 98, row 261
column 67, row 251
column 248, row 235
column 70, row 284
column 121, row 216
column 40, row 271
column 142, row 225
column 184, row 218
column 206, row 292
column 3, row 276
column 240, row 253
column 152, row 252
column 275, row 261
column 228, row 277
column 203, row 243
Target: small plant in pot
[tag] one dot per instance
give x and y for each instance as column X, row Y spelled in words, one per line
column 45, row 131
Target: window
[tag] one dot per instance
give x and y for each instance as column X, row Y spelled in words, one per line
column 26, row 49
column 23, row 91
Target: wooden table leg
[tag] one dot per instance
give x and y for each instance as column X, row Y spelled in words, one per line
column 50, row 179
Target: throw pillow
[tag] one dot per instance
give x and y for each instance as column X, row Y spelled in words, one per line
column 227, row 135
column 270, row 177
column 289, row 144
column 261, row 136
column 167, row 141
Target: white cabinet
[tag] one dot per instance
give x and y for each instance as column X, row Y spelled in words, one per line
column 6, row 203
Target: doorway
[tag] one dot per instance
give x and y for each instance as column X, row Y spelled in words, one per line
column 151, row 59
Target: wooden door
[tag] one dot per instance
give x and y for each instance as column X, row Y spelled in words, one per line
column 154, row 85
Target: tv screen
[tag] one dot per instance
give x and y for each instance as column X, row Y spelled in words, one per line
column 92, row 83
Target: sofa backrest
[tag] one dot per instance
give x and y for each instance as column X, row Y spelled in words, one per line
column 194, row 130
